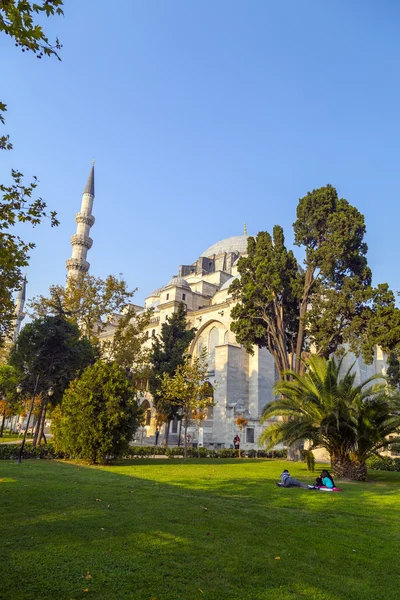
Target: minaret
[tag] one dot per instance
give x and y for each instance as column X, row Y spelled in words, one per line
column 245, row 229
column 19, row 309
column 81, row 242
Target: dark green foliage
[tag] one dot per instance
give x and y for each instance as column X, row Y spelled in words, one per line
column 98, row 416
column 384, row 463
column 53, row 349
column 328, row 302
column 167, row 354
column 269, row 288
column 10, row 451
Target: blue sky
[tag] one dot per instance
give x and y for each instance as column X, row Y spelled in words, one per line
column 202, row 116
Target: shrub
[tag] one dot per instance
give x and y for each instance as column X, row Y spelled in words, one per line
column 308, row 457
column 98, row 414
column 10, row 451
column 384, row 463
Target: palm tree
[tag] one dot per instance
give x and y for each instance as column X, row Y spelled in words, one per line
column 352, row 422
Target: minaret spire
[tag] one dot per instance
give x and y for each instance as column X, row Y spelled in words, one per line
column 81, row 242
column 19, row 309
column 245, row 229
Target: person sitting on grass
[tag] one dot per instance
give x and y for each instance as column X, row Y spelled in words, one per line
column 318, row 481
column 288, row 481
column 327, row 480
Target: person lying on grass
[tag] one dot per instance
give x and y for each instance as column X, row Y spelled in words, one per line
column 288, row 481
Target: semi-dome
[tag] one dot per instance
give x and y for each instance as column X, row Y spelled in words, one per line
column 228, row 283
column 236, row 243
column 179, row 282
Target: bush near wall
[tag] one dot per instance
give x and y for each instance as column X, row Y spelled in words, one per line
column 10, row 452
column 384, row 463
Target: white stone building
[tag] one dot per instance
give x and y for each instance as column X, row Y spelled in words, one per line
column 243, row 383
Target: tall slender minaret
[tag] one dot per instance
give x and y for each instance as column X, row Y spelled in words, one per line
column 81, row 242
column 19, row 309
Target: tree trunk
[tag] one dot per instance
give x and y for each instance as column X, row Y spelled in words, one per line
column 180, row 432
column 185, row 446
column 2, row 423
column 36, row 437
column 344, row 467
column 167, row 425
column 41, row 426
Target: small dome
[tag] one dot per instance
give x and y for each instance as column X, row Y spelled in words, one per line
column 179, row 282
column 237, row 243
column 228, row 283
column 156, row 292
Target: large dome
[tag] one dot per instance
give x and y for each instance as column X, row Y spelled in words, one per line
column 237, row 243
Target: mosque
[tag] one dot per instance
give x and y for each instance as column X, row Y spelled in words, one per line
column 243, row 383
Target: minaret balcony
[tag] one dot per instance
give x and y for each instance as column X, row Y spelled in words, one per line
column 81, row 240
column 74, row 264
column 87, row 219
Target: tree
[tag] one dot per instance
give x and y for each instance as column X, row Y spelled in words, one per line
column 50, row 352
column 188, row 390
column 352, row 422
column 8, row 393
column 127, row 347
column 168, row 352
column 291, row 310
column 87, row 301
column 98, row 415
column 16, row 203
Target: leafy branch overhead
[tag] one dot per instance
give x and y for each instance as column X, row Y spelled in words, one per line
column 18, row 22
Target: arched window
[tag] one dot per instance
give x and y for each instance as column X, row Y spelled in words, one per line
column 147, row 412
column 210, row 409
column 226, row 337
column 213, row 340
column 153, row 333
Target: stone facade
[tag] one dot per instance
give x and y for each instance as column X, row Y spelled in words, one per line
column 242, row 383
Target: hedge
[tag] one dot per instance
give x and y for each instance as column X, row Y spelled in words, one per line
column 384, row 463
column 10, row 452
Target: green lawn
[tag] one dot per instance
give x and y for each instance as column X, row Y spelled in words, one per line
column 9, row 438
column 207, row 530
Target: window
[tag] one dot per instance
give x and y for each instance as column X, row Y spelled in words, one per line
column 148, row 417
column 183, row 296
column 167, row 297
column 153, row 333
column 213, row 341
column 174, row 426
column 249, row 435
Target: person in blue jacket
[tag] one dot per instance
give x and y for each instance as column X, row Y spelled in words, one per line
column 327, row 479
